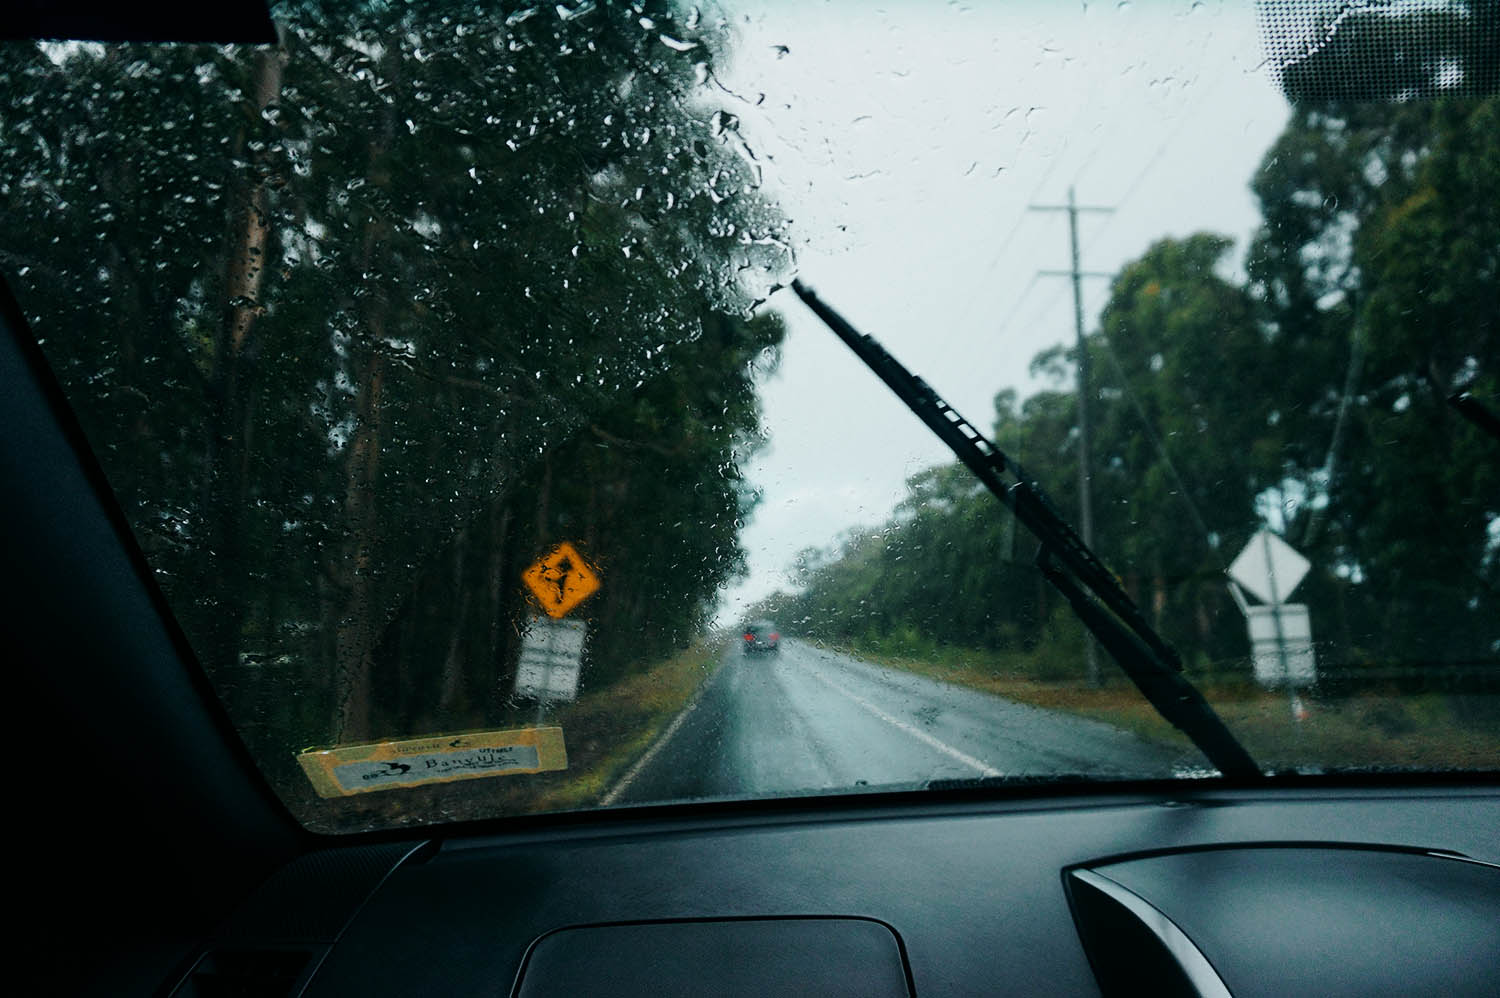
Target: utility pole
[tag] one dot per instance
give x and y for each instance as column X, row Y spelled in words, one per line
column 1085, row 461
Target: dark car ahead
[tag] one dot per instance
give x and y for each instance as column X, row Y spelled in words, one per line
column 761, row 635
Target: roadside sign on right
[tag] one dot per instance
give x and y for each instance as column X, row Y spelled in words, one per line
column 1269, row 567
column 1281, row 646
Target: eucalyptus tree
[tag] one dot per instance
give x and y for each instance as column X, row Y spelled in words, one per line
column 361, row 322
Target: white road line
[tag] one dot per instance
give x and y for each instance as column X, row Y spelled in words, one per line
column 651, row 753
column 917, row 733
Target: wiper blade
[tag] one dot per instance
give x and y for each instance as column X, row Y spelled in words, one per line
column 1471, row 409
column 1065, row 561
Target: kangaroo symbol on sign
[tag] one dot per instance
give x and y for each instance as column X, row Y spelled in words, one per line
column 563, row 568
column 561, row 580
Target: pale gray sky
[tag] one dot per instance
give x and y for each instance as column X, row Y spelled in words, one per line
column 905, row 140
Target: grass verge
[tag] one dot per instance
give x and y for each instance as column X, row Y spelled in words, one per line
column 1374, row 728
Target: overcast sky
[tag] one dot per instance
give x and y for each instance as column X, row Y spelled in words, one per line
column 905, row 140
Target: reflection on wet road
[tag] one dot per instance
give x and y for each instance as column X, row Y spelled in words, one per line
column 808, row 719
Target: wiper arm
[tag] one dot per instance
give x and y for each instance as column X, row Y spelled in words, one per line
column 1065, row 561
column 1471, row 409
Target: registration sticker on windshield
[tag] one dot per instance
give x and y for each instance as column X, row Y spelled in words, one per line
column 413, row 762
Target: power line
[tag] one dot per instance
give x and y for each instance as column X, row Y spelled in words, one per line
column 1160, row 445
column 1004, row 244
column 1120, row 202
column 1015, row 309
column 999, row 254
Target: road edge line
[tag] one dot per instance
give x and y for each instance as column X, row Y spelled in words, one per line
column 623, row 783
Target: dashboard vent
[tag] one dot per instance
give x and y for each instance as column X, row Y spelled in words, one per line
column 281, row 972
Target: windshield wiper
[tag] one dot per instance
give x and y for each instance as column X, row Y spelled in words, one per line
column 1095, row 595
column 1470, row 408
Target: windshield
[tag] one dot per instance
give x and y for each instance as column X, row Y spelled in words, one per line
column 445, row 361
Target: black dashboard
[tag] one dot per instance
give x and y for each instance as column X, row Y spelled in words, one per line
column 1276, row 892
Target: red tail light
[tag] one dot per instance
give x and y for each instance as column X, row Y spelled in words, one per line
column 775, row 636
column 749, row 637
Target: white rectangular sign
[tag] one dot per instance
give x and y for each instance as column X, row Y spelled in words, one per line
column 1281, row 645
column 551, row 655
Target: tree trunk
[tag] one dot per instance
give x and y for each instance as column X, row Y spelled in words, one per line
column 493, row 667
column 1158, row 593
column 1204, row 616
column 359, row 625
column 231, row 410
column 361, row 617
column 451, row 695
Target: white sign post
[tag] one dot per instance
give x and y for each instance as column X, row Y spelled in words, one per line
column 551, row 656
column 1280, row 633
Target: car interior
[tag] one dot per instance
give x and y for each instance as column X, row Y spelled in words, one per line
column 157, row 859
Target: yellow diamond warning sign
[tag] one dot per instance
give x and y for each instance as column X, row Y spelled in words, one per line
column 561, row 580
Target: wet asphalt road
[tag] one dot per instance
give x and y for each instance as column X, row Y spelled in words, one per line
column 808, row 719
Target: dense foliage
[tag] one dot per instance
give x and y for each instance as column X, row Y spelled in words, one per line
column 361, row 324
